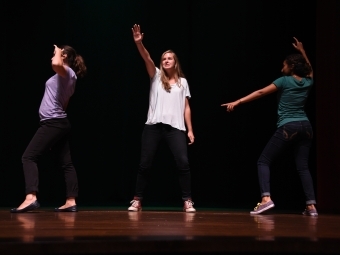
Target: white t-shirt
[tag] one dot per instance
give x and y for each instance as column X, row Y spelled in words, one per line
column 167, row 107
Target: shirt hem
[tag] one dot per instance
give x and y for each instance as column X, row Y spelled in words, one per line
column 153, row 123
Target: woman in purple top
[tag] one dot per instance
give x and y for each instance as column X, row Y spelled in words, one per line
column 54, row 130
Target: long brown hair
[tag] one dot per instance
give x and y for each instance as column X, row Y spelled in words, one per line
column 178, row 75
column 75, row 61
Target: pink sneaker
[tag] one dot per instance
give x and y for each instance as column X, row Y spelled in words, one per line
column 188, row 206
column 136, row 206
column 260, row 208
column 312, row 212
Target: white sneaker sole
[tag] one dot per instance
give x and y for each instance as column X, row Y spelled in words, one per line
column 190, row 210
column 310, row 214
column 134, row 209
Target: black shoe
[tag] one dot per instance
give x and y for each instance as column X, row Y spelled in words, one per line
column 68, row 209
column 30, row 207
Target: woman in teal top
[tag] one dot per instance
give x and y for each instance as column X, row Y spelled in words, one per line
column 293, row 127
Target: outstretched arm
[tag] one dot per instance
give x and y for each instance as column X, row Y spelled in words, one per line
column 58, row 63
column 253, row 96
column 187, row 118
column 138, row 37
column 298, row 45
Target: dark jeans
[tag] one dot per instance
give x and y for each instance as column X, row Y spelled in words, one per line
column 297, row 135
column 52, row 134
column 176, row 140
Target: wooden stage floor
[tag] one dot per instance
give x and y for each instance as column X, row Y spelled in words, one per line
column 116, row 231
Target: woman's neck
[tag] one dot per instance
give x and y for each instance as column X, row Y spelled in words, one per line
column 171, row 73
column 297, row 77
column 172, row 76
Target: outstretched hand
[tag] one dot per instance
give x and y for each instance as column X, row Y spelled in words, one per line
column 230, row 106
column 137, row 35
column 298, row 45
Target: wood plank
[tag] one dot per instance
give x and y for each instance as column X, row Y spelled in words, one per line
column 118, row 231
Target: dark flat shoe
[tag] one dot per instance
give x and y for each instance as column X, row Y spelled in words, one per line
column 68, row 209
column 30, row 207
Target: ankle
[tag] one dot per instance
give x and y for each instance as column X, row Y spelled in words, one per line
column 31, row 196
column 310, row 207
column 265, row 199
column 70, row 201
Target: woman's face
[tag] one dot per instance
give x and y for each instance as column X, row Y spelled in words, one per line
column 286, row 69
column 168, row 61
column 53, row 55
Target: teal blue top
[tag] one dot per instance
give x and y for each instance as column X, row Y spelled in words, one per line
column 291, row 98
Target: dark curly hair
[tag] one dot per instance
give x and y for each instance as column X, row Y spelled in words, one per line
column 299, row 65
column 75, row 61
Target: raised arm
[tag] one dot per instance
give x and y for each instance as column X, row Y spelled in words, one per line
column 252, row 96
column 298, row 45
column 58, row 63
column 138, row 37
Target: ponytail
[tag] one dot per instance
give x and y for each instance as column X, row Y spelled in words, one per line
column 75, row 61
column 79, row 66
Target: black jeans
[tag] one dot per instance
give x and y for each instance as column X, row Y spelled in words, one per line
column 297, row 135
column 176, row 140
column 52, row 134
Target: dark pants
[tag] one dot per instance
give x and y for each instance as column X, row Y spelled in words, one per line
column 52, row 134
column 176, row 140
column 297, row 135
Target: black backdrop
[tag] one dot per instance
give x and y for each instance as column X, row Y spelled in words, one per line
column 227, row 49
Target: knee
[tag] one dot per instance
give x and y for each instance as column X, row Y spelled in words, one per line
column 302, row 166
column 67, row 165
column 263, row 161
column 183, row 164
column 28, row 158
column 145, row 163
column 144, row 168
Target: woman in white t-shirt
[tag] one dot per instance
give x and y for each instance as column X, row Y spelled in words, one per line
column 169, row 115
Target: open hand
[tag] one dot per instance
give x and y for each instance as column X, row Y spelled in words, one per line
column 137, row 35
